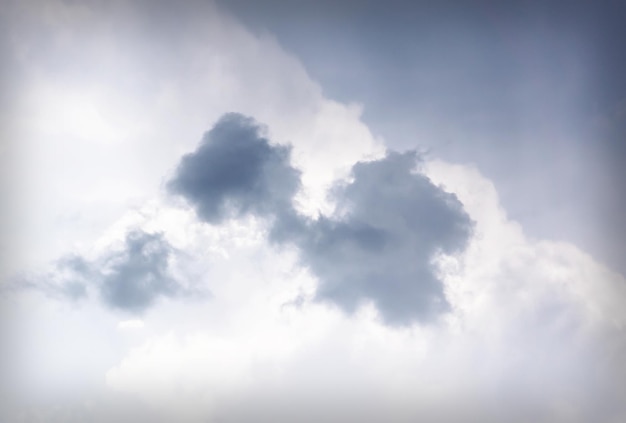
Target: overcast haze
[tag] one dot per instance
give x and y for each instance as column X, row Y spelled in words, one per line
column 241, row 211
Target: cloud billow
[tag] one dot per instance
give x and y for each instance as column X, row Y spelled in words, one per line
column 131, row 279
column 378, row 246
column 134, row 278
column 390, row 224
column 235, row 172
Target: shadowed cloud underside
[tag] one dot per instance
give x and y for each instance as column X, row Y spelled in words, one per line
column 130, row 279
column 235, row 171
column 378, row 245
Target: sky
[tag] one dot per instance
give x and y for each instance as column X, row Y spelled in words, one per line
column 241, row 211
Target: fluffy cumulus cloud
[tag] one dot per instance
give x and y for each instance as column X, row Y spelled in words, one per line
column 347, row 284
column 535, row 331
column 235, row 172
column 388, row 226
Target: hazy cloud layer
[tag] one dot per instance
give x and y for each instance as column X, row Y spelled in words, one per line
column 131, row 279
column 389, row 224
column 69, row 279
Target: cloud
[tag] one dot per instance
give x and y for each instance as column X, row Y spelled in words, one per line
column 535, row 332
column 130, row 279
column 501, row 351
column 235, row 171
column 100, row 110
column 389, row 225
column 68, row 280
column 377, row 246
column 134, row 278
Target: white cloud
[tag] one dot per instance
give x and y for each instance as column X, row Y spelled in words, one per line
column 106, row 113
column 528, row 336
column 111, row 98
column 132, row 324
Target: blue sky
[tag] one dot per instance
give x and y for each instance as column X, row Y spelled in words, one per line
column 523, row 90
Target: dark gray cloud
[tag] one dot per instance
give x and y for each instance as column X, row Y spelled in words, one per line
column 235, row 171
column 378, row 246
column 390, row 224
column 131, row 279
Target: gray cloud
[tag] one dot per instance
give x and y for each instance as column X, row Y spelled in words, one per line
column 389, row 224
column 131, row 279
column 76, row 272
column 70, row 279
column 235, row 171
column 134, row 278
